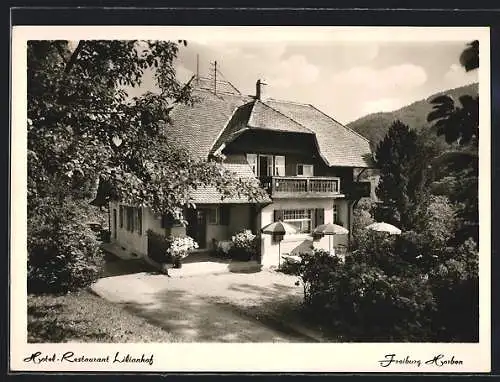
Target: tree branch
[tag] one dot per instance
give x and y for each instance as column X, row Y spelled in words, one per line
column 61, row 53
column 74, row 57
column 181, row 94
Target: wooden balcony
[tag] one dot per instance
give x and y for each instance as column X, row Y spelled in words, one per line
column 302, row 187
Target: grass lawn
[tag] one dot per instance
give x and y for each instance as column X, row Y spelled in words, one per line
column 84, row 317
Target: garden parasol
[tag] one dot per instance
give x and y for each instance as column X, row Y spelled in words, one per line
column 279, row 228
column 384, row 227
column 330, row 229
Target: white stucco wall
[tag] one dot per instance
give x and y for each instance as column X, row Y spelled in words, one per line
column 239, row 220
column 294, row 244
column 131, row 241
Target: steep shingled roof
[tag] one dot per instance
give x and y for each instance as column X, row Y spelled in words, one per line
column 213, row 119
column 196, row 127
column 265, row 117
column 339, row 145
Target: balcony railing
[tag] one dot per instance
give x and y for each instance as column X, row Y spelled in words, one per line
column 297, row 186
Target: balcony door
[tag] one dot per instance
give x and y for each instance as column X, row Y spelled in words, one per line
column 265, row 165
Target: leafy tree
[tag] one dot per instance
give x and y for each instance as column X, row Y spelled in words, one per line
column 398, row 187
column 84, row 130
column 82, row 125
column 457, row 122
column 456, row 171
column 469, row 58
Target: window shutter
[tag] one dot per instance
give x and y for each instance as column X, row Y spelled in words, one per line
column 139, row 220
column 224, row 215
column 121, row 216
column 278, row 215
column 319, row 216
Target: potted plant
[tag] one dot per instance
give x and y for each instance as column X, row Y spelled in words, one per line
column 244, row 245
column 179, row 248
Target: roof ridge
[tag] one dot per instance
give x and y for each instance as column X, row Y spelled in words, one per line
column 286, row 101
column 288, row 117
column 341, row 124
column 221, row 131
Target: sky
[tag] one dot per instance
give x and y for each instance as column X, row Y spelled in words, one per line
column 345, row 79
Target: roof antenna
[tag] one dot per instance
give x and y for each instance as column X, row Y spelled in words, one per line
column 197, row 69
column 215, row 77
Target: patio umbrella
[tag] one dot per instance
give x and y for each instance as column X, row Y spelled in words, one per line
column 384, row 227
column 279, row 228
column 330, row 229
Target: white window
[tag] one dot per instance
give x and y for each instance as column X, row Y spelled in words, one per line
column 252, row 161
column 213, row 215
column 301, row 219
column 279, row 165
column 305, row 170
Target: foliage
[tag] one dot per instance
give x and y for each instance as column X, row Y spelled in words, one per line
column 166, row 249
column 455, row 284
column 179, row 247
column 157, row 247
column 455, row 172
column 409, row 287
column 222, row 248
column 436, row 221
column 82, row 126
column 469, row 58
column 84, row 130
column 362, row 295
column 457, row 123
column 399, row 175
column 291, row 265
column 244, row 245
column 361, row 217
column 63, row 252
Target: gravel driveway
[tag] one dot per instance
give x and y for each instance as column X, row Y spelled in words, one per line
column 232, row 307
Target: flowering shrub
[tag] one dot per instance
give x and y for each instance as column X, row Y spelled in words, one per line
column 179, row 247
column 244, row 245
column 166, row 249
column 222, row 248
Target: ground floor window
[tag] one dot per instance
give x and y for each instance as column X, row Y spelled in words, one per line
column 213, row 215
column 133, row 218
column 299, row 218
column 218, row 215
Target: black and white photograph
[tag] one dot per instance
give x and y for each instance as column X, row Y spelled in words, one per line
column 251, row 198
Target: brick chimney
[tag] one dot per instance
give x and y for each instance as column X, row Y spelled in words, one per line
column 259, row 93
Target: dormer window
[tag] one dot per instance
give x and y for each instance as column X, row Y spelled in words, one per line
column 305, row 169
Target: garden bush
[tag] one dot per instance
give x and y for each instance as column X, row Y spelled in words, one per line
column 245, row 246
column 63, row 252
column 365, row 300
column 455, row 283
column 157, row 247
column 169, row 249
column 362, row 217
